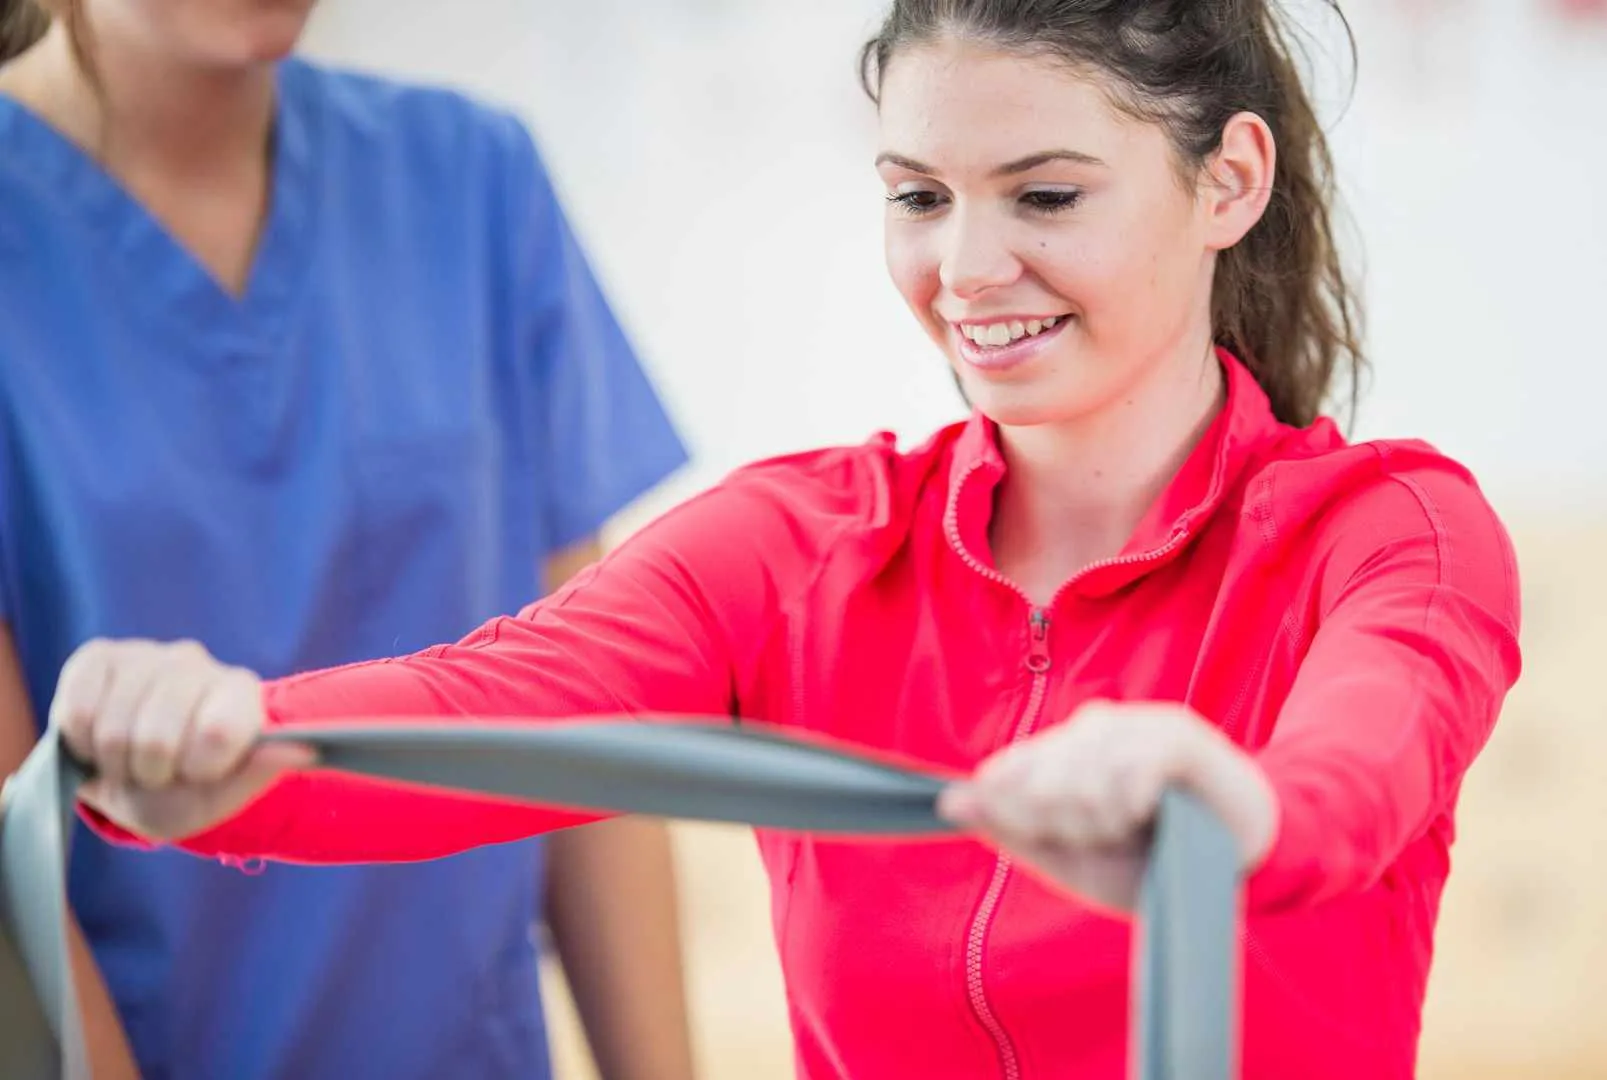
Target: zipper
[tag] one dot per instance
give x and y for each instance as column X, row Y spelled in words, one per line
column 1038, row 641
column 977, row 937
column 1037, row 662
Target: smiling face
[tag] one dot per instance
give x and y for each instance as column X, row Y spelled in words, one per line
column 1045, row 239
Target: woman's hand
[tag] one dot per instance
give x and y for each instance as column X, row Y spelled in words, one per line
column 1077, row 802
column 170, row 733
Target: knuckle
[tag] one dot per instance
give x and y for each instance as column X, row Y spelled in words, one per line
column 78, row 665
column 154, row 743
column 215, row 732
column 219, row 732
column 187, row 649
column 222, row 697
column 126, row 651
column 95, row 648
column 238, row 683
column 1044, row 801
column 110, row 739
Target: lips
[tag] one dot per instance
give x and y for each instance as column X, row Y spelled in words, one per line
column 998, row 345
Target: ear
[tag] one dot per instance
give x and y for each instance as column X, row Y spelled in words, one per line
column 1238, row 181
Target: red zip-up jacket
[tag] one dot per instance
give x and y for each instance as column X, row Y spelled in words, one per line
column 1347, row 613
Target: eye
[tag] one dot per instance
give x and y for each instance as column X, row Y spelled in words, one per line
column 915, row 203
column 1052, row 201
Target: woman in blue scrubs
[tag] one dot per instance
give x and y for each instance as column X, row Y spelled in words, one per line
column 324, row 335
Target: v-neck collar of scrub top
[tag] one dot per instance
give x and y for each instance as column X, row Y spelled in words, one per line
column 177, row 289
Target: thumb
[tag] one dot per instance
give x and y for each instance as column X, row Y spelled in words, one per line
column 269, row 759
column 218, row 802
column 960, row 804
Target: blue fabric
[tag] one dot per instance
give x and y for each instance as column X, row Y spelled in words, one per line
column 421, row 392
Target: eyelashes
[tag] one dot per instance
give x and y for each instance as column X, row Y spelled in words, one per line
column 1047, row 203
column 914, row 203
column 1053, row 201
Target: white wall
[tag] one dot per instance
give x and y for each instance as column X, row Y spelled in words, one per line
column 715, row 155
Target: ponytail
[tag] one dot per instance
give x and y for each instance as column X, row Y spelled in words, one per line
column 1282, row 300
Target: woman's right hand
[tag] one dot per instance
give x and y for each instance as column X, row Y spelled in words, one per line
column 170, row 734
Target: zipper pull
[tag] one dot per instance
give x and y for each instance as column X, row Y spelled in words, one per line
column 1038, row 638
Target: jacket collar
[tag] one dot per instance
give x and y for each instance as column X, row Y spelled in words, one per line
column 1241, row 428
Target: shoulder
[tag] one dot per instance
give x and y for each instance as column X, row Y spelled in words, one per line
column 1316, row 479
column 1356, row 506
column 445, row 133
column 28, row 213
column 43, row 179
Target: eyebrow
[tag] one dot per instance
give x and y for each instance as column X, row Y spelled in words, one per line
column 1011, row 168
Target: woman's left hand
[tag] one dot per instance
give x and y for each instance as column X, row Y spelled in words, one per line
column 1076, row 802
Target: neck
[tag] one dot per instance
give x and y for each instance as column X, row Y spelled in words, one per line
column 1074, row 493
column 143, row 113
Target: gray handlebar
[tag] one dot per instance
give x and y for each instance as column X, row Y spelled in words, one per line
column 688, row 768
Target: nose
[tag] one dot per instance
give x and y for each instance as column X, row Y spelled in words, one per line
column 976, row 256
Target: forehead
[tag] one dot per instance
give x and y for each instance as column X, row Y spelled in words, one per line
column 966, row 100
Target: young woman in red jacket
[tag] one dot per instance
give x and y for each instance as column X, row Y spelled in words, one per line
column 1144, row 560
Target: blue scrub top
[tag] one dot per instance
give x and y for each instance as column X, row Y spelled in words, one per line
column 421, row 394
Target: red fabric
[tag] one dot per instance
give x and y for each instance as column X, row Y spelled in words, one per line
column 1349, row 613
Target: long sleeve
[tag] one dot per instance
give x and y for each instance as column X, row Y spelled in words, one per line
column 673, row 622
column 1415, row 651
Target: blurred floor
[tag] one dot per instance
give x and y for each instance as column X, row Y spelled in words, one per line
column 1520, row 976
column 1520, row 979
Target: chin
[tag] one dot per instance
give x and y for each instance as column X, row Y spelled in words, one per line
column 266, row 37
column 1025, row 397
column 273, row 47
column 1023, row 405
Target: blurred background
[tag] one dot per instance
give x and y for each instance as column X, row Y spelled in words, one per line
column 716, row 158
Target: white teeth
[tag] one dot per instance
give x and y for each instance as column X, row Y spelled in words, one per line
column 995, row 335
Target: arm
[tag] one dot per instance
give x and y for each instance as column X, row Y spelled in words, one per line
column 1415, row 652
column 674, row 621
column 613, row 909
column 109, row 1054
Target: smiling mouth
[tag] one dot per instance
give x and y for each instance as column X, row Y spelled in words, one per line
column 1002, row 334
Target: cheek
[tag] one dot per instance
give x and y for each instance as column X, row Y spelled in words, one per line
column 1117, row 277
column 1173, row 253
column 913, row 268
column 1076, row 267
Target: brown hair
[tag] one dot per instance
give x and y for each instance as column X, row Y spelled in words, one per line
column 22, row 23
column 1281, row 299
